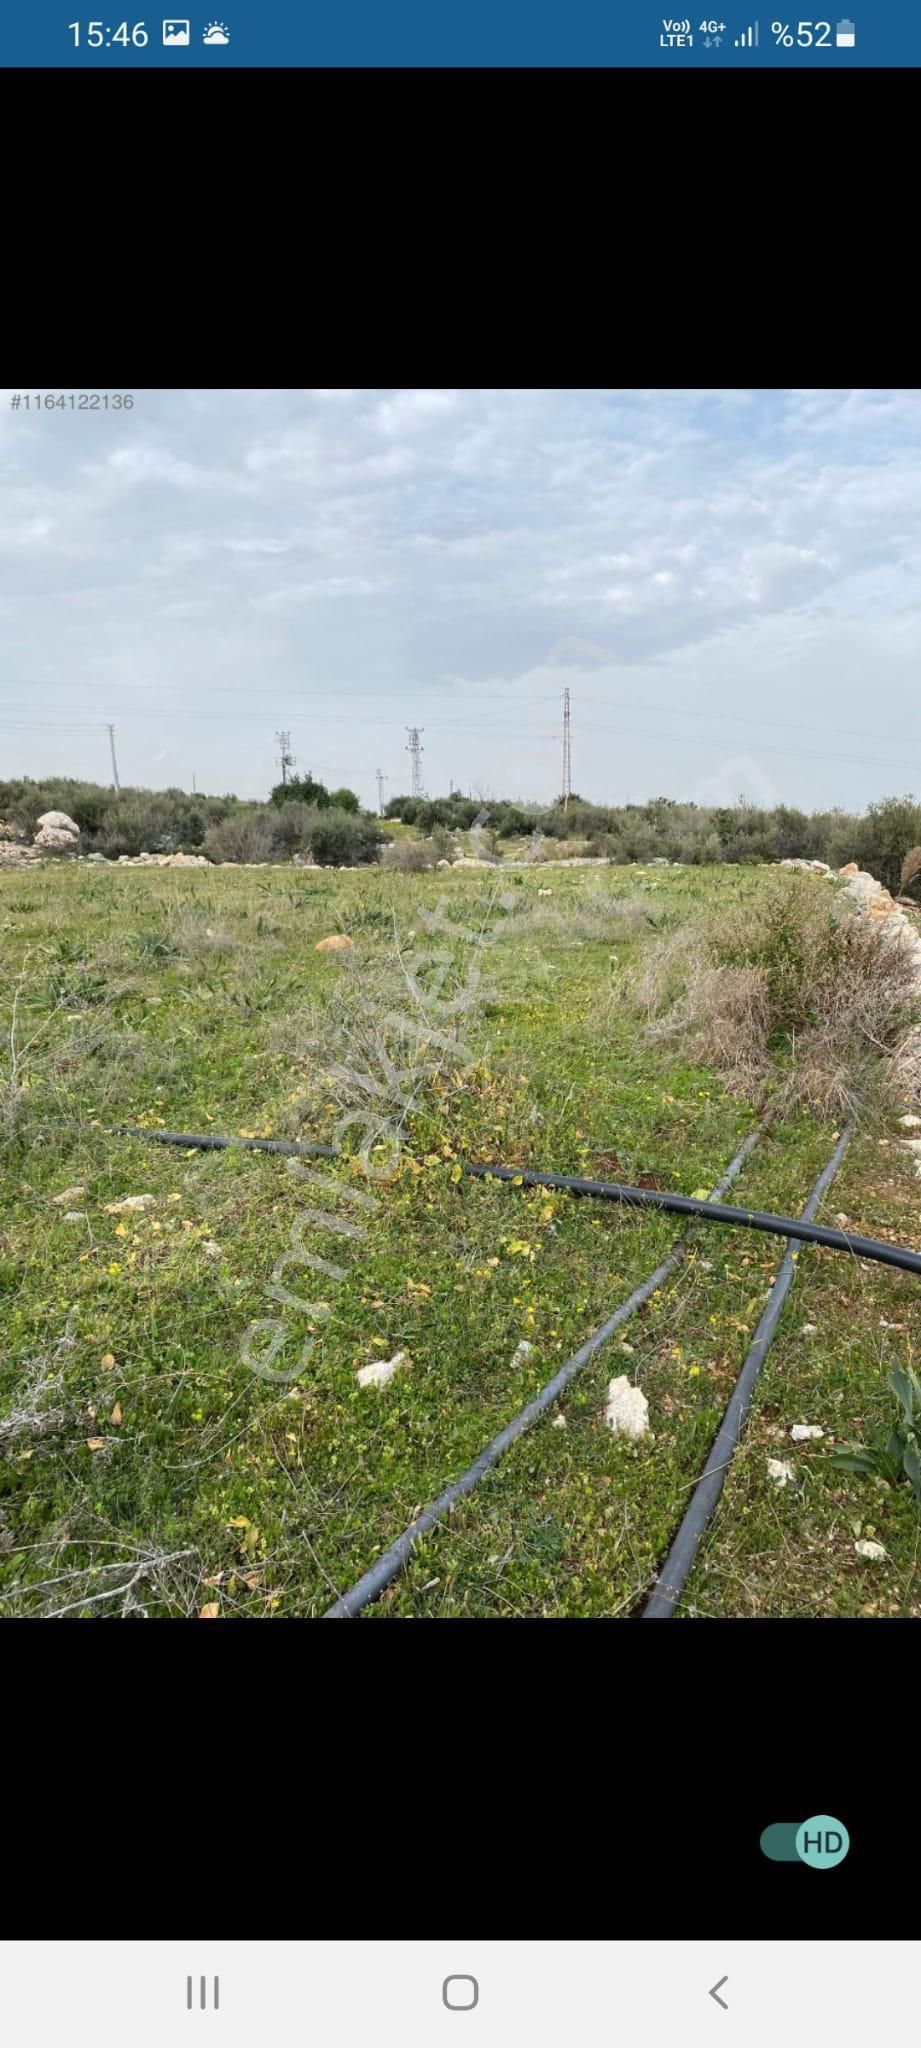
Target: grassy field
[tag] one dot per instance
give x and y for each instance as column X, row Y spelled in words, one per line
column 143, row 1463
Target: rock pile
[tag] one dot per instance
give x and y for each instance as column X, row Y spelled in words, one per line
column 162, row 860
column 16, row 856
column 57, row 833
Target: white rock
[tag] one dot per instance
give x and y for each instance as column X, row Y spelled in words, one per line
column 58, row 821
column 559, row 1422
column 627, row 1411
column 873, row 1550
column 129, row 1202
column 56, row 839
column 74, row 1216
column 522, row 1351
column 68, row 1195
column 779, row 1472
column 910, row 1123
column 802, row 1431
column 381, row 1372
column 808, row 1329
column 545, row 892
column 210, row 1249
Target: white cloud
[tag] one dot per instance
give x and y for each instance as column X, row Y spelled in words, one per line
column 340, row 554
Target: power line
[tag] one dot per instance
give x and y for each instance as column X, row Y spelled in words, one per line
column 791, row 752
column 285, row 758
column 567, row 751
column 414, row 750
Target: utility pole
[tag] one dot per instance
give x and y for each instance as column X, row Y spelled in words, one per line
column 110, row 729
column 381, row 779
column 414, row 750
column 567, row 751
column 285, row 757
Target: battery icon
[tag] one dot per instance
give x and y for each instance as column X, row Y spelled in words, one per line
column 844, row 35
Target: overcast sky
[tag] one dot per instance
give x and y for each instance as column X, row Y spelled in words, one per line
column 727, row 580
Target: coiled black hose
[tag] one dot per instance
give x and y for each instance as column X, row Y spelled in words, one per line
column 680, row 1559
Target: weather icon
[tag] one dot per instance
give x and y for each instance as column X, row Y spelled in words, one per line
column 216, row 32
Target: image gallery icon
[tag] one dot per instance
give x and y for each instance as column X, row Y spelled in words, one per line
column 216, row 32
column 177, row 35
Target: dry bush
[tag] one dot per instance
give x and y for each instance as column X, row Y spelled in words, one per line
column 595, row 912
column 194, row 932
column 795, row 995
column 911, row 867
column 412, row 857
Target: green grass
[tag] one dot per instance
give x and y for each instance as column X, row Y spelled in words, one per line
column 196, row 1002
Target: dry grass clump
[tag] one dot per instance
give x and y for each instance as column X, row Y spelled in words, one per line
column 595, row 912
column 194, row 933
column 911, row 867
column 412, row 857
column 793, row 996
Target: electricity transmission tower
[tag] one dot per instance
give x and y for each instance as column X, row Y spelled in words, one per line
column 414, row 750
column 285, row 757
column 567, row 751
column 381, row 779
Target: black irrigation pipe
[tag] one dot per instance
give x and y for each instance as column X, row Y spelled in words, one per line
column 209, row 1144
column 712, row 1212
column 678, row 1564
column 391, row 1562
column 671, row 1580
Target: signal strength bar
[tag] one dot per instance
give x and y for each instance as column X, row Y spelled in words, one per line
column 748, row 40
column 202, row 1993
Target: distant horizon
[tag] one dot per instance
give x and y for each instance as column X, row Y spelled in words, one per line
column 728, row 581
column 467, row 796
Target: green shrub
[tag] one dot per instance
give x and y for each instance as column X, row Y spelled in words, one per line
column 884, row 837
column 301, row 789
column 892, row 1453
column 339, row 839
column 243, row 836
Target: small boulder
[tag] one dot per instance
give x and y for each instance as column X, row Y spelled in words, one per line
column 58, row 821
column 336, row 943
column 381, row 1372
column 627, row 1411
column 55, row 840
column 779, row 1472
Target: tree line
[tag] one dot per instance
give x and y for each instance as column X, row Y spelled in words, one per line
column 302, row 816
